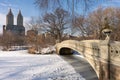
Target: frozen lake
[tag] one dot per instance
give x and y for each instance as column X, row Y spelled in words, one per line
column 19, row 65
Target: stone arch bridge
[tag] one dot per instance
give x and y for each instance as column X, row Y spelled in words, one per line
column 103, row 56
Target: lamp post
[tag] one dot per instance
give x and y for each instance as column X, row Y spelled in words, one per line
column 107, row 31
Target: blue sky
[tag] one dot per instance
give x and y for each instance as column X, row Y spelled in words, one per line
column 28, row 8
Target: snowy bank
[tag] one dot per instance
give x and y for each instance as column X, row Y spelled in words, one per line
column 19, row 65
column 48, row 50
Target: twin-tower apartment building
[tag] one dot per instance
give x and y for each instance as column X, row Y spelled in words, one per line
column 18, row 29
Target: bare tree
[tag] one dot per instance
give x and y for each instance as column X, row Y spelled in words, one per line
column 10, row 39
column 92, row 25
column 79, row 25
column 34, row 23
column 32, row 38
column 113, row 15
column 95, row 21
column 71, row 4
column 56, row 23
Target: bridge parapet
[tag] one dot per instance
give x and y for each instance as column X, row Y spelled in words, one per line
column 115, row 49
column 115, row 53
column 88, row 48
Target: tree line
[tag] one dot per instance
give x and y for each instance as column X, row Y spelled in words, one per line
column 60, row 26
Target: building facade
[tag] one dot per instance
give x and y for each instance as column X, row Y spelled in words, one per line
column 18, row 29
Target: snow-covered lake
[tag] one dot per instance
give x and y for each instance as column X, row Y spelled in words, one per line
column 19, row 65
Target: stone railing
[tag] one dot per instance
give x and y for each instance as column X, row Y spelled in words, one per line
column 115, row 53
column 115, row 49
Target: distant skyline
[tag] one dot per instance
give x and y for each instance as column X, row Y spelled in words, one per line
column 29, row 9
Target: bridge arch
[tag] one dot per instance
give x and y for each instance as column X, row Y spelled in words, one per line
column 84, row 48
column 68, row 51
column 65, row 51
column 103, row 57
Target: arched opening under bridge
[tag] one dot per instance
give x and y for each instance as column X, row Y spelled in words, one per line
column 80, row 64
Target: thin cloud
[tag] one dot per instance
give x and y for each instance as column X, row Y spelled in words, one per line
column 2, row 22
column 2, row 19
column 26, row 21
column 5, row 4
column 110, row 3
column 115, row 1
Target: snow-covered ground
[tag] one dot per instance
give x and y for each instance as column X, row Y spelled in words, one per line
column 19, row 65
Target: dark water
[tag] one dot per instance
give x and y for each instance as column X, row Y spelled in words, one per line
column 81, row 66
